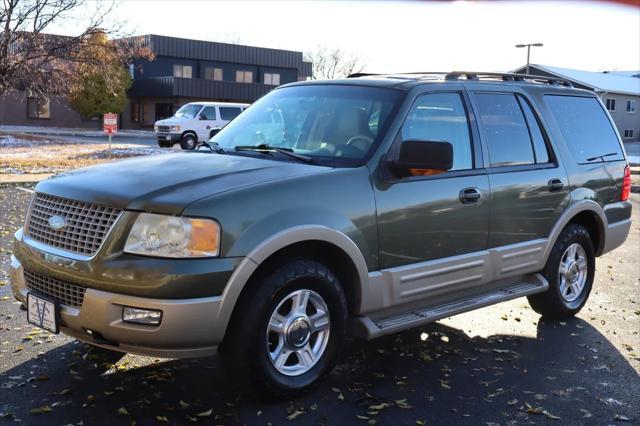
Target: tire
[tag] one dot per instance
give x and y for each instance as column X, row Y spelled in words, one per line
column 265, row 321
column 188, row 142
column 567, row 292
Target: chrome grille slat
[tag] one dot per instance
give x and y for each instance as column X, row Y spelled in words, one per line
column 164, row 129
column 87, row 223
column 59, row 291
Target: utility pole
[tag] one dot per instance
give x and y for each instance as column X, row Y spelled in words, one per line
column 528, row 46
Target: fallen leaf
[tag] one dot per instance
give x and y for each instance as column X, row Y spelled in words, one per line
column 295, row 415
column 162, row 419
column 41, row 410
column 122, row 411
column 184, row 405
column 205, row 413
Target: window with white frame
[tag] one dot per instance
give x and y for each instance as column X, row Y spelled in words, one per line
column 631, row 106
column 244, row 76
column 211, row 73
column 628, row 133
column 183, row 71
column 272, row 79
column 611, row 104
column 38, row 108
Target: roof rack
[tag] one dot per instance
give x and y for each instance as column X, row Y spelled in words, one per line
column 456, row 75
column 473, row 76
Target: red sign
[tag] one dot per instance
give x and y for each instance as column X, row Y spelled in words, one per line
column 110, row 123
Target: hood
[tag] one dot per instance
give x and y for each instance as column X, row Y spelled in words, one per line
column 167, row 183
column 171, row 121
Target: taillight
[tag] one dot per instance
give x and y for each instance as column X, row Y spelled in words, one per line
column 626, row 184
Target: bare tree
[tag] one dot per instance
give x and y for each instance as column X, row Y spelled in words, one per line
column 332, row 62
column 43, row 64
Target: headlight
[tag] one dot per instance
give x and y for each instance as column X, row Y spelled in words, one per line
column 175, row 128
column 172, row 236
column 155, row 128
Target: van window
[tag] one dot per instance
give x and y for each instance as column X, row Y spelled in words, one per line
column 506, row 130
column 208, row 113
column 441, row 117
column 539, row 145
column 229, row 113
column 586, row 129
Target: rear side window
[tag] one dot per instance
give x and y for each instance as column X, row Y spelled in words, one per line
column 229, row 113
column 586, row 129
column 508, row 138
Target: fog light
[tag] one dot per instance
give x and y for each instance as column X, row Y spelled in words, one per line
column 141, row 316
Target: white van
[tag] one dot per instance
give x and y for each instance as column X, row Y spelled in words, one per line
column 195, row 122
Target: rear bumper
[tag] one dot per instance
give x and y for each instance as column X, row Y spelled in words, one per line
column 189, row 327
column 616, row 234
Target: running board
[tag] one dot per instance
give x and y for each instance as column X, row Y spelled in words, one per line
column 369, row 328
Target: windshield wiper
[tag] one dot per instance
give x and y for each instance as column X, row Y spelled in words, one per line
column 265, row 148
column 213, row 146
column 601, row 157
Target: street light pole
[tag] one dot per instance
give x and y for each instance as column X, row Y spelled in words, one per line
column 528, row 46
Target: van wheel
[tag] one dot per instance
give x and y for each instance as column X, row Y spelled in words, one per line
column 570, row 271
column 288, row 329
column 188, row 142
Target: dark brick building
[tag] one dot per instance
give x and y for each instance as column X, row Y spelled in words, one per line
column 183, row 71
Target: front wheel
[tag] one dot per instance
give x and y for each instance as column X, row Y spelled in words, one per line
column 288, row 329
column 570, row 270
column 188, row 142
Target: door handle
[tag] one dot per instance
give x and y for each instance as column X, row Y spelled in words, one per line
column 470, row 195
column 555, row 185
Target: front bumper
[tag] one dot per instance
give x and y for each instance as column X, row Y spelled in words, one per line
column 168, row 137
column 189, row 327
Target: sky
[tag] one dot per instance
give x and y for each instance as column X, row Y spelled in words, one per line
column 405, row 36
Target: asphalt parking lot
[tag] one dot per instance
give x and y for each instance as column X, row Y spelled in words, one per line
column 498, row 365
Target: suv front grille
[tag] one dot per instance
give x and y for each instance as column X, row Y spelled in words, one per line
column 58, row 291
column 87, row 224
column 164, row 129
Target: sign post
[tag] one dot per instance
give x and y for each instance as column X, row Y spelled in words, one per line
column 110, row 125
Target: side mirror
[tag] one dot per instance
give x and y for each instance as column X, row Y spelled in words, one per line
column 422, row 157
column 202, row 117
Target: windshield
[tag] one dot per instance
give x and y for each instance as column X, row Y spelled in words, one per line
column 188, row 111
column 332, row 121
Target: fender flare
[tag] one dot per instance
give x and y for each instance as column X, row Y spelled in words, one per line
column 276, row 242
column 570, row 213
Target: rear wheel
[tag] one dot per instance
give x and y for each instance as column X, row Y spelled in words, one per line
column 570, row 271
column 288, row 329
column 188, row 142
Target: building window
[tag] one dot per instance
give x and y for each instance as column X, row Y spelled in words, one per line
column 244, row 76
column 611, row 104
column 628, row 134
column 631, row 106
column 135, row 112
column 38, row 108
column 184, row 71
column 272, row 79
column 211, row 73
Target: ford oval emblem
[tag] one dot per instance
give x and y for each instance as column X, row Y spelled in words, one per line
column 57, row 222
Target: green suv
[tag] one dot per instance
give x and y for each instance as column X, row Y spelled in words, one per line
column 360, row 207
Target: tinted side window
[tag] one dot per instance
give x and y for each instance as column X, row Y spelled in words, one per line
column 586, row 129
column 506, row 130
column 542, row 155
column 229, row 113
column 441, row 117
column 208, row 113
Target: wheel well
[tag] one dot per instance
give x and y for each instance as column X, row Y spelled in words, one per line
column 593, row 225
column 328, row 254
column 188, row 132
